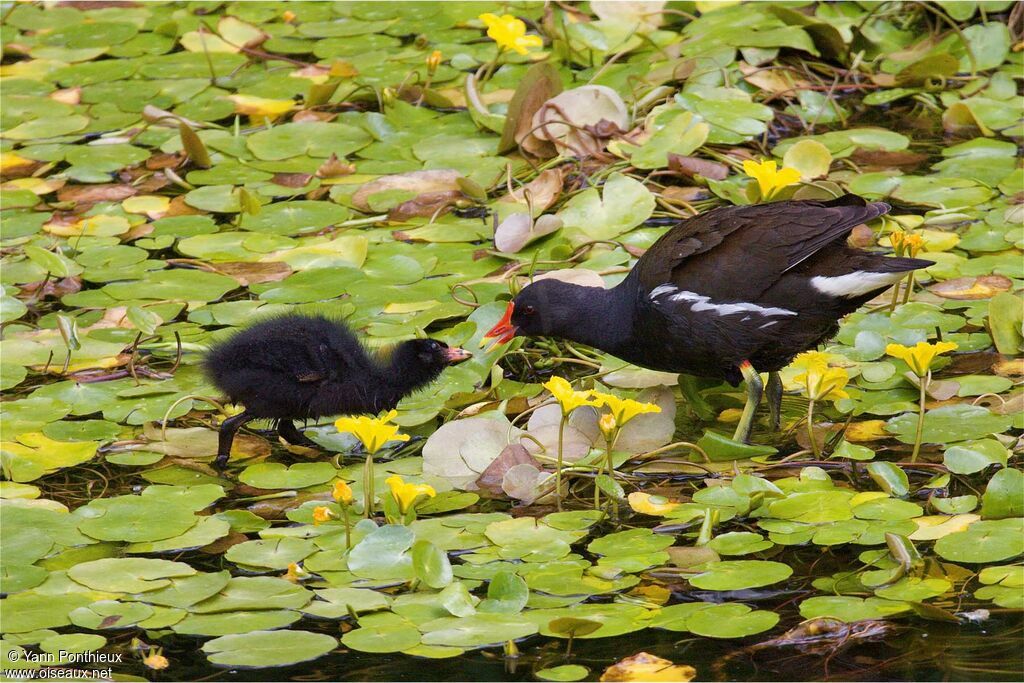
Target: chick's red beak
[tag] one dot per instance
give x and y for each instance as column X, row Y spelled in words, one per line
column 454, row 354
column 504, row 331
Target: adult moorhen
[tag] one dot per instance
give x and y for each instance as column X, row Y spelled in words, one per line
column 728, row 294
column 297, row 367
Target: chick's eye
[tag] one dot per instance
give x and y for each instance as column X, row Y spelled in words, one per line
column 529, row 310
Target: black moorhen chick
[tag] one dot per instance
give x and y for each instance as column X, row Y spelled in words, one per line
column 727, row 294
column 297, row 367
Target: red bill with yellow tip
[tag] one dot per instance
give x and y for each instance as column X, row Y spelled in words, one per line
column 454, row 354
column 503, row 332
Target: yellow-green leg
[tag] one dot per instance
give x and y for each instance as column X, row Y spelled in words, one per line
column 754, row 389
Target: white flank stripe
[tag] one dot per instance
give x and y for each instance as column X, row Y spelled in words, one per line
column 854, row 284
column 701, row 303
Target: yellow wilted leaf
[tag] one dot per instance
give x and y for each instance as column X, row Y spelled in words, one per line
column 37, row 186
column 938, row 240
column 650, row 505
column 869, row 430
column 261, row 107
column 9, row 161
column 866, row 496
column 648, row 667
column 101, row 226
column 936, row 526
column 153, row 206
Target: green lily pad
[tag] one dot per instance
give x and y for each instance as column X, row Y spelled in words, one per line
column 273, row 475
column 951, row 423
column 740, row 574
column 268, row 648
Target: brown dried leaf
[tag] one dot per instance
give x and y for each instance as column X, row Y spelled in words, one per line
column 248, row 273
column 693, row 166
column 513, row 454
column 292, row 180
column 972, row 288
column 420, row 182
column 425, row 205
column 543, row 191
column 51, row 288
column 686, row 194
column 90, row 194
column 870, row 160
column 540, row 83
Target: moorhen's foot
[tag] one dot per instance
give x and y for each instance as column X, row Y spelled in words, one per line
column 754, row 388
column 773, row 392
column 287, row 430
column 228, row 429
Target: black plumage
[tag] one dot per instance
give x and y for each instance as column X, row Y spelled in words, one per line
column 299, row 367
column 737, row 285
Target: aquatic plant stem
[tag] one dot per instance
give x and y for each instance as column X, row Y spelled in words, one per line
column 368, row 486
column 810, row 429
column 558, row 466
column 348, row 527
column 920, row 417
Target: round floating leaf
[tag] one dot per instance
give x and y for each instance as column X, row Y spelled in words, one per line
column 565, row 672
column 478, row 630
column 254, row 593
column 394, row 638
column 740, row 574
column 1004, row 495
column 128, row 575
column 225, row 623
column 310, row 138
column 431, row 564
column 30, row 611
column 275, row 553
column 950, row 423
column 730, row 621
column 983, row 542
column 268, row 648
column 739, row 543
column 274, row 475
column 134, row 519
column 110, row 614
column 295, row 218
column 507, row 593
column 974, row 456
column 383, row 554
column 73, row 643
column 848, row 608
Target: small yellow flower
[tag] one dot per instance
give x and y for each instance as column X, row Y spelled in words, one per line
column 433, row 61
column 770, row 180
column 821, row 382
column 567, row 397
column 608, row 425
column 322, row 514
column 288, row 16
column 624, row 409
column 921, row 356
column 155, row 659
column 342, row 492
column 374, row 432
column 905, row 243
column 295, row 573
column 650, row 505
column 407, row 494
column 510, row 33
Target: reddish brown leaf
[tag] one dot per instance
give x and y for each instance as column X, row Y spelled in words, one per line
column 52, row 288
column 291, row 179
column 426, row 205
column 693, row 166
column 90, row 194
column 513, row 454
column 871, row 160
column 248, row 273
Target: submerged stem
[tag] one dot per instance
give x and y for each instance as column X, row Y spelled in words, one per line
column 558, row 466
column 368, row 486
column 810, row 429
column 920, row 417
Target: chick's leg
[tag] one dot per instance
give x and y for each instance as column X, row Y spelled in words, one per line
column 228, row 429
column 754, row 388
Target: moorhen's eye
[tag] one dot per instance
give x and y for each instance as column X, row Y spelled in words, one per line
column 529, row 310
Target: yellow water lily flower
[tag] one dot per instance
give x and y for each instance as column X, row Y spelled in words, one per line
column 295, row 573
column 608, row 425
column 650, row 505
column 920, row 356
column 374, row 432
column 567, row 397
column 905, row 243
column 510, row 33
column 770, row 180
column 821, row 382
column 407, row 494
column 342, row 492
column 155, row 659
column 322, row 514
column 433, row 61
column 624, row 409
